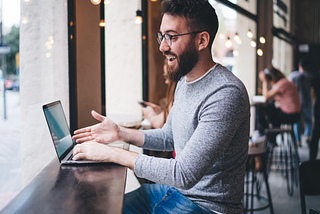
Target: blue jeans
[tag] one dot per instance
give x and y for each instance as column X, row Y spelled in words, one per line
column 158, row 198
column 306, row 113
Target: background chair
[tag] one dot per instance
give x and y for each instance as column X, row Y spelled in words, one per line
column 256, row 166
column 309, row 173
column 284, row 154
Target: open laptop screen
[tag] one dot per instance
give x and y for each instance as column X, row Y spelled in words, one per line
column 59, row 129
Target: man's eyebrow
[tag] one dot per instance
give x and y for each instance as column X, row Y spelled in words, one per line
column 169, row 31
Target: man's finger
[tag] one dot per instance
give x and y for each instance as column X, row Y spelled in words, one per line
column 81, row 135
column 97, row 116
column 83, row 130
column 79, row 156
column 84, row 139
column 76, row 149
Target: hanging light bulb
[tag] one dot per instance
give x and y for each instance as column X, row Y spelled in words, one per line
column 249, row 34
column 228, row 43
column 235, row 53
column 138, row 17
column 102, row 23
column 262, row 39
column 253, row 43
column 236, row 37
column 24, row 20
column 95, row 2
column 259, row 52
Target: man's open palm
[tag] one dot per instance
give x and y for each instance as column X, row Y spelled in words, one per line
column 106, row 131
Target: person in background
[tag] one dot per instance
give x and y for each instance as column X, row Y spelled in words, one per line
column 285, row 93
column 208, row 126
column 157, row 115
column 154, row 113
column 301, row 79
column 314, row 143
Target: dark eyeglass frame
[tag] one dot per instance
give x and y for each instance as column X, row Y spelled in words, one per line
column 161, row 36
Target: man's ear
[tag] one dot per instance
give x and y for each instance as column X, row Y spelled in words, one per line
column 203, row 40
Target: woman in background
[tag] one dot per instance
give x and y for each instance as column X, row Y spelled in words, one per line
column 157, row 115
column 154, row 113
column 285, row 93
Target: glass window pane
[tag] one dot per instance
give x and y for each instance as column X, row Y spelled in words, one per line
column 10, row 149
column 123, row 59
column 248, row 5
column 232, row 46
column 282, row 15
column 282, row 56
column 282, row 50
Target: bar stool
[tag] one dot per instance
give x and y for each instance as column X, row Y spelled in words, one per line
column 285, row 157
column 252, row 181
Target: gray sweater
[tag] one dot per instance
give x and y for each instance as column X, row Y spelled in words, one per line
column 208, row 127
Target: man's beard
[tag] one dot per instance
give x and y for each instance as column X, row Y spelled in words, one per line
column 185, row 62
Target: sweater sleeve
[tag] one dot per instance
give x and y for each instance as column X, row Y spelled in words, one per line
column 159, row 139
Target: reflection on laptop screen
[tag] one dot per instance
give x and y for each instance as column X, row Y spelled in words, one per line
column 59, row 129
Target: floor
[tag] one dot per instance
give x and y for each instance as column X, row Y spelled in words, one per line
column 10, row 176
column 282, row 202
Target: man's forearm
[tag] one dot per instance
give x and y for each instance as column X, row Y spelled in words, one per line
column 131, row 136
column 124, row 158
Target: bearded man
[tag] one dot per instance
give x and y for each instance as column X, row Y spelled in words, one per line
column 208, row 126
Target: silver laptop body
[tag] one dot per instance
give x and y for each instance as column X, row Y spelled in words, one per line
column 60, row 133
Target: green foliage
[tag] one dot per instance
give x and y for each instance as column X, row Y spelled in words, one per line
column 12, row 39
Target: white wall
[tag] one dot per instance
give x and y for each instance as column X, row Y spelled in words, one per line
column 44, row 78
column 123, row 61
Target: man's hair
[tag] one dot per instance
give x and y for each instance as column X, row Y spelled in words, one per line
column 304, row 63
column 201, row 16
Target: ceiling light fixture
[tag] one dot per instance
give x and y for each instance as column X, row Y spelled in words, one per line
column 262, row 39
column 139, row 17
column 102, row 23
column 228, row 43
column 95, row 2
column 259, row 52
column 236, row 37
column 249, row 34
column 253, row 43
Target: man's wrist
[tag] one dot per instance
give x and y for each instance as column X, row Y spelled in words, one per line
column 124, row 158
column 122, row 134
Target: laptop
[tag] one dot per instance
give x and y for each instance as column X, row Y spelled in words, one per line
column 60, row 134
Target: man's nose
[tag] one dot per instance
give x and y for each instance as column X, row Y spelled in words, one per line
column 164, row 46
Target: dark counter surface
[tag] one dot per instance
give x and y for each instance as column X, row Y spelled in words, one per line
column 89, row 188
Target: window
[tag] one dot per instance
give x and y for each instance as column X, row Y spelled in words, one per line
column 282, row 49
column 232, row 46
column 123, row 61
column 43, row 79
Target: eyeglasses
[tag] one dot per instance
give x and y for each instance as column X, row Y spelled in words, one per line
column 169, row 37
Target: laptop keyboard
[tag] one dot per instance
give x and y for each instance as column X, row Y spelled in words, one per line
column 71, row 156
